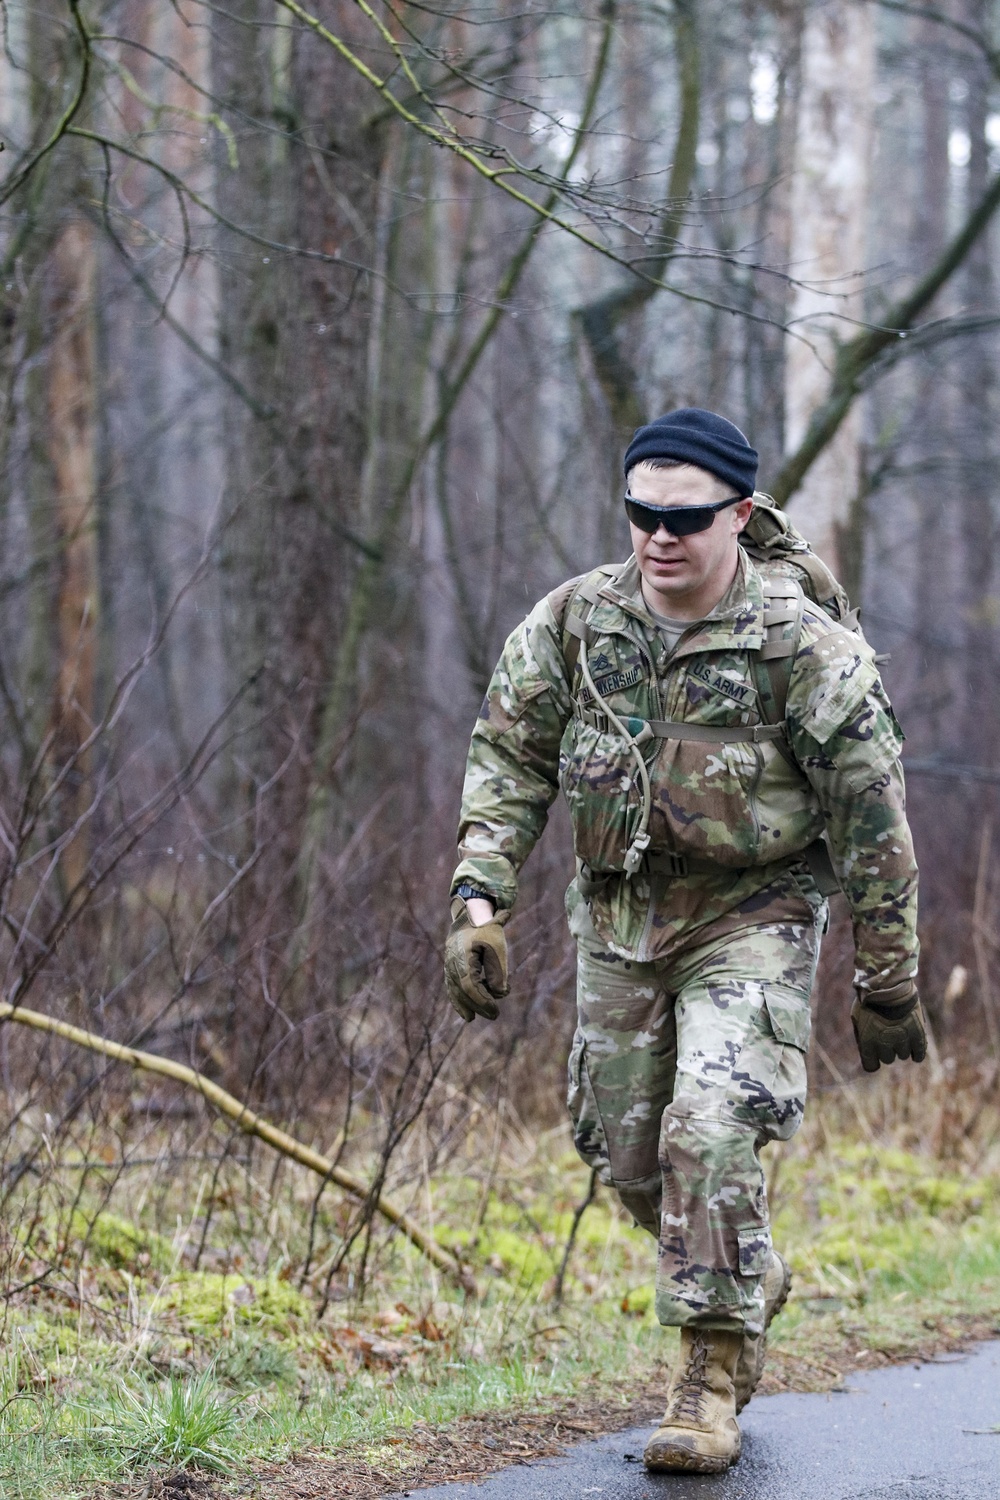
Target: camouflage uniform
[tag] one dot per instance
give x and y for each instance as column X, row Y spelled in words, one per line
column 694, row 987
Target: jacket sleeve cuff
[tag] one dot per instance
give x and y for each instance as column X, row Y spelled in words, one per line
column 490, row 873
column 896, row 994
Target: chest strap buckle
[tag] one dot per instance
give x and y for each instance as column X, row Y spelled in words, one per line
column 663, row 862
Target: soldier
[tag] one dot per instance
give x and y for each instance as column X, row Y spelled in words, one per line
column 718, row 734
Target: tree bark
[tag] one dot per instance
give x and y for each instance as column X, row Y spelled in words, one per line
column 977, row 426
column 297, row 334
column 72, row 387
column 827, row 253
column 601, row 321
column 933, row 583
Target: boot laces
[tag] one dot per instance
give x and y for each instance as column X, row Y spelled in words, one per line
column 689, row 1393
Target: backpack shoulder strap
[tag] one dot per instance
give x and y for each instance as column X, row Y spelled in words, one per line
column 771, row 666
column 825, row 589
column 559, row 599
column 771, row 669
column 785, row 603
column 565, row 602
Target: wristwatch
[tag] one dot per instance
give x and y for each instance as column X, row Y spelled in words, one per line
column 468, row 892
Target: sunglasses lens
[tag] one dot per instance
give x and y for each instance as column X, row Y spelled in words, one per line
column 688, row 519
column 680, row 520
column 646, row 517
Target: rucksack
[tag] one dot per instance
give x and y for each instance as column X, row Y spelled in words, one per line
column 770, row 537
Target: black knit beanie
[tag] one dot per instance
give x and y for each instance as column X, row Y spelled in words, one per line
column 698, row 437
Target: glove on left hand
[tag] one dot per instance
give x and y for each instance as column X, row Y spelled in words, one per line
column 475, row 963
column 889, row 1024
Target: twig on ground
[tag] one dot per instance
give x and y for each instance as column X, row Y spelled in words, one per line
column 578, row 1213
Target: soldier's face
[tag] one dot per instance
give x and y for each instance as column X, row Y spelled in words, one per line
column 675, row 568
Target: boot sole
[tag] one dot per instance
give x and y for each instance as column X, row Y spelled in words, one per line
column 681, row 1461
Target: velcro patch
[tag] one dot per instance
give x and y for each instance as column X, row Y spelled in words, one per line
column 614, row 681
column 737, row 692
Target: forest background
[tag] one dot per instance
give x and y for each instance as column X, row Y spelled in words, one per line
column 323, row 329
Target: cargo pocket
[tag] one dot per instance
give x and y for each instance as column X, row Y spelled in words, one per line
column 597, row 777
column 755, row 1250
column 791, row 1022
column 790, row 1016
column 588, row 1128
column 768, row 1087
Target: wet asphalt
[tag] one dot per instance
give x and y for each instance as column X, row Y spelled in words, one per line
column 907, row 1433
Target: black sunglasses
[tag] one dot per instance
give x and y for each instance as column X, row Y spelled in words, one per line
column 680, row 520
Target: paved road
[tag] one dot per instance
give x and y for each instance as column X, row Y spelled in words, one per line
column 896, row 1434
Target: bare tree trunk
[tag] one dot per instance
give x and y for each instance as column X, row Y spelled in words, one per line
column 774, row 143
column 72, row 381
column 978, row 421
column 297, row 333
column 938, row 687
column 829, row 197
column 602, row 321
column 459, row 365
column 251, row 192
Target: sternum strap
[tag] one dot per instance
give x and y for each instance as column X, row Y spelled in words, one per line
column 678, row 729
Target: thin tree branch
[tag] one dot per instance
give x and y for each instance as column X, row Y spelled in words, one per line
column 179, row 185
column 498, row 176
column 186, row 338
column 578, row 1213
column 19, row 177
column 961, row 28
column 855, row 358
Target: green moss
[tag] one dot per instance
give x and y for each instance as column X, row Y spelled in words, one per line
column 206, row 1299
column 525, row 1261
column 883, row 1217
column 115, row 1242
column 524, row 1240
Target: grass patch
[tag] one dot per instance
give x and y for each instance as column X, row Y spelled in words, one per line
column 183, row 1424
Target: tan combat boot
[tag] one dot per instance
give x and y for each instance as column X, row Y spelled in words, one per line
column 699, row 1433
column 750, row 1367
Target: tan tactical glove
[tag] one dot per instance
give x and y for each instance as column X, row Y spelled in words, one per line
column 889, row 1024
column 475, row 963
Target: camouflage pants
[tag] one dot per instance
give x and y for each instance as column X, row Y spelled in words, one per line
column 680, row 1071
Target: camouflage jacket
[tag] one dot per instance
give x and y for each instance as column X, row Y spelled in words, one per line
column 742, row 811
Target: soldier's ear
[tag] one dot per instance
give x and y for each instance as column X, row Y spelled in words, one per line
column 742, row 514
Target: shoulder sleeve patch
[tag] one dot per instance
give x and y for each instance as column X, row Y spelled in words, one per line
column 833, row 673
column 531, row 667
column 502, row 707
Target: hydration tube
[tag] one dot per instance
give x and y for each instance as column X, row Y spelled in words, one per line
column 639, row 845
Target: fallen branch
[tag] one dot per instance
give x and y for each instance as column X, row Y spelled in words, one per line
column 250, row 1123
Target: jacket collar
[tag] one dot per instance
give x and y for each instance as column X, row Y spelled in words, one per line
column 736, row 623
